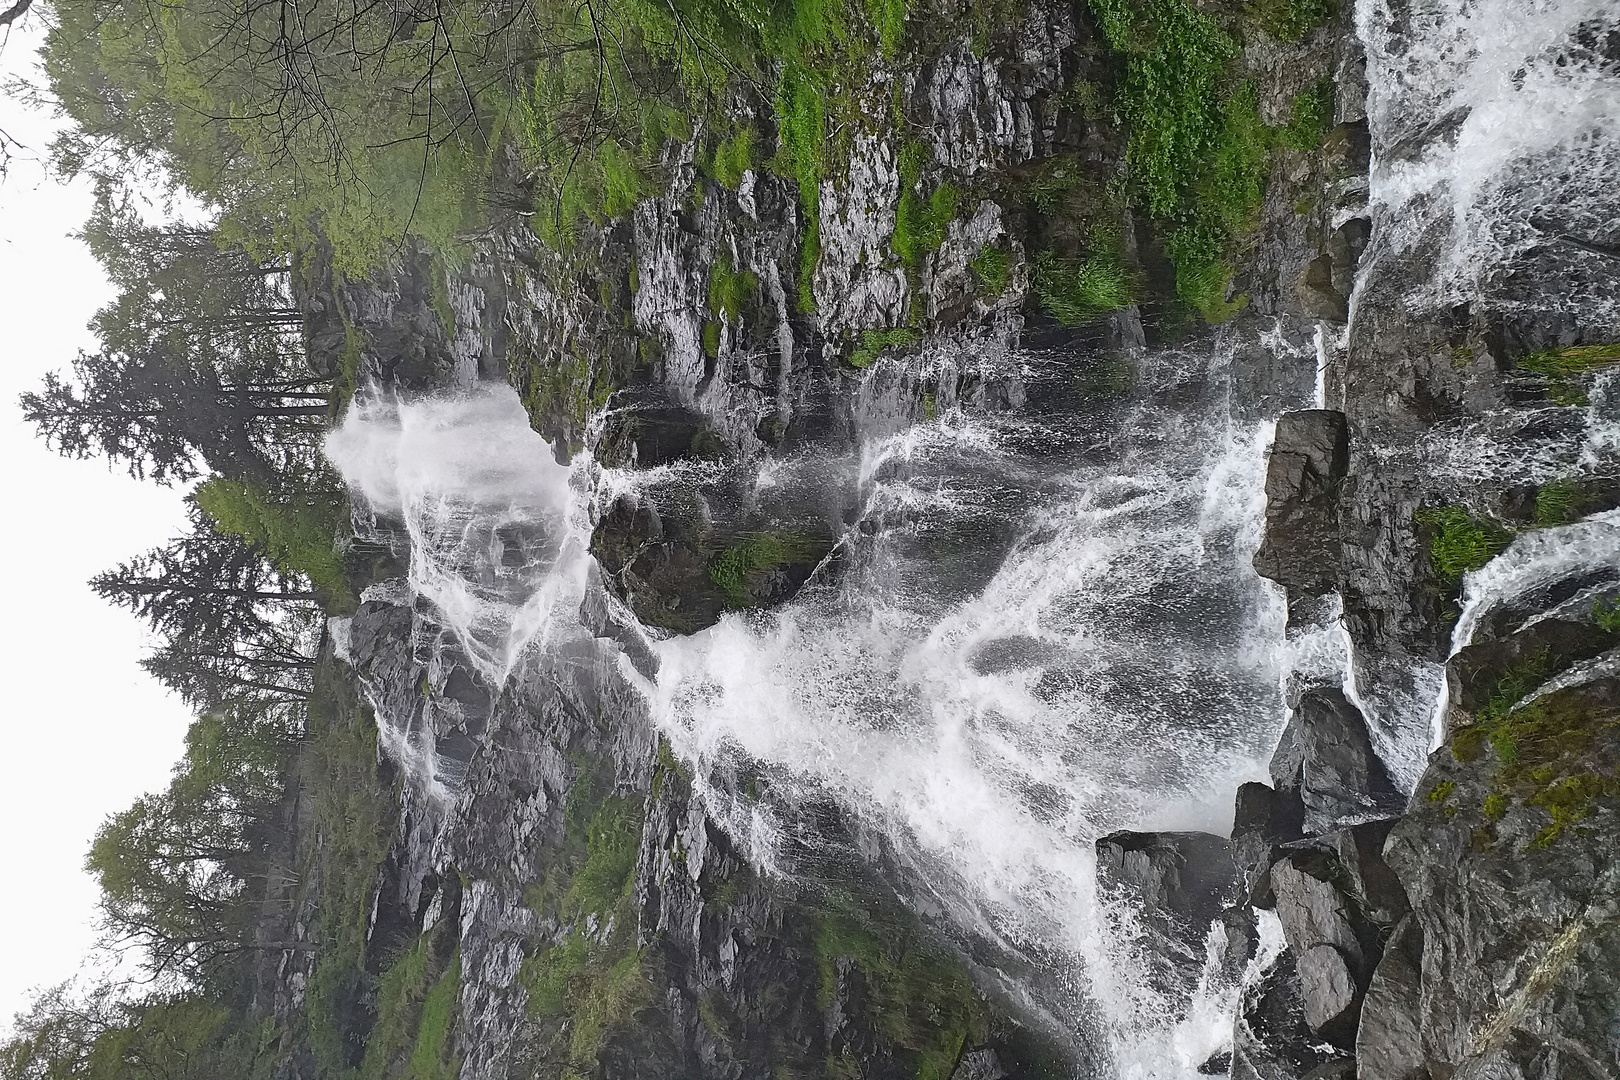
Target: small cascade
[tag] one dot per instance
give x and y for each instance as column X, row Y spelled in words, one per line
column 495, row 533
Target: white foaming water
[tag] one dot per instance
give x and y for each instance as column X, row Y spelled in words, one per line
column 1496, row 127
column 1119, row 668
column 497, row 533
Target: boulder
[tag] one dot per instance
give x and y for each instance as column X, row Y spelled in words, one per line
column 1310, row 455
column 1178, row 884
column 1326, row 757
column 1389, row 1043
column 1271, row 1039
column 1329, row 991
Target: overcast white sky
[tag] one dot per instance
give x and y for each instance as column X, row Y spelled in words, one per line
column 85, row 729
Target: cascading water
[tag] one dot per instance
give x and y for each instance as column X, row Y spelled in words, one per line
column 1044, row 627
column 1119, row 668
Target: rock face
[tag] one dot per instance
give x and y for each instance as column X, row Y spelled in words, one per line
column 1513, row 871
column 1326, row 760
column 1179, row 884
column 1389, row 1043
column 1309, row 458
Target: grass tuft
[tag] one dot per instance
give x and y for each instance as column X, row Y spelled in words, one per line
column 990, row 266
column 873, row 342
column 1458, row 543
column 1077, row 292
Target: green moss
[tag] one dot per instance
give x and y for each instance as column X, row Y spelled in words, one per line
column 711, row 338
column 801, row 123
column 610, row 1000
column 920, row 223
column 1542, row 748
column 918, row 996
column 991, row 266
column 1441, row 791
column 430, row 1057
column 732, row 569
column 550, row 975
column 873, row 342
column 730, row 288
column 734, row 157
column 889, row 18
column 1078, row 292
column 1290, row 20
column 1458, row 542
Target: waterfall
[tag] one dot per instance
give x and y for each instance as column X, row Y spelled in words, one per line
column 1043, row 624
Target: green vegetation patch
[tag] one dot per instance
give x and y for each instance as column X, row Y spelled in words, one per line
column 729, row 288
column 920, row 222
column 736, row 569
column 1198, row 150
column 1543, row 749
column 1565, row 368
column 1458, row 542
column 1075, row 292
column 991, row 267
column 919, row 996
column 873, row 342
column 1606, row 613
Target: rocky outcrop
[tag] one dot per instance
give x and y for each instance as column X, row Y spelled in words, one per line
column 1309, row 457
column 1509, row 857
column 1178, row 885
column 1326, row 761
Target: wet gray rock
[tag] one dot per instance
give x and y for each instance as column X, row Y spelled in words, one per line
column 1328, row 990
column 1271, row 1039
column 1309, row 457
column 1520, row 956
column 1178, row 884
column 1389, row 1044
column 1326, row 757
column 1517, row 662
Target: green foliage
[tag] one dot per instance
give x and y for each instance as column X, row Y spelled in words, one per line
column 1078, row 292
column 920, row 223
column 1290, row 20
column 430, row 1058
column 613, row 838
column 730, row 288
column 298, row 533
column 1557, row 503
column 733, row 157
column 733, row 568
column 1563, row 369
column 1458, row 543
column 1441, row 791
column 1198, row 151
column 1606, row 613
column 399, row 994
column 801, row 125
column 1573, row 360
column 991, row 266
column 1310, row 118
column 353, row 815
column 873, row 342
column 889, row 17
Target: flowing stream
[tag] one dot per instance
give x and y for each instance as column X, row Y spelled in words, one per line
column 1043, row 624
